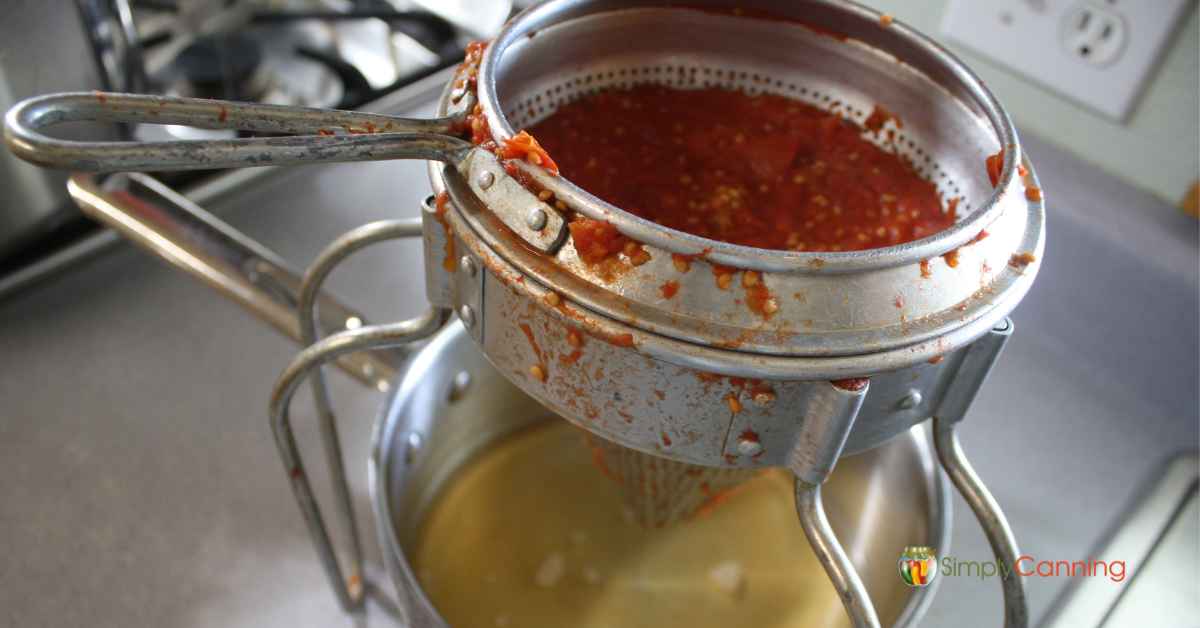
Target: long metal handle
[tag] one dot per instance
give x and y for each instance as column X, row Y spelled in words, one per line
column 173, row 228
column 991, row 519
column 349, row 588
column 314, row 277
column 309, row 135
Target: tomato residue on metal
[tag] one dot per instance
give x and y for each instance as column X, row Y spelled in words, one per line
column 450, row 261
column 951, row 258
column 926, row 272
column 762, row 171
column 1021, row 260
column 669, row 289
column 537, row 352
column 853, row 384
column 524, row 147
column 758, row 298
column 879, row 117
column 596, row 240
column 1033, row 193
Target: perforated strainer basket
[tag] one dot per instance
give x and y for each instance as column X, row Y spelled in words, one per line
column 839, row 368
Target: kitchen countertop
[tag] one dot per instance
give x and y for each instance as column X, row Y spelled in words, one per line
column 140, row 486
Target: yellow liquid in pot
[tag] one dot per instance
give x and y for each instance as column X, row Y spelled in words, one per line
column 530, row 535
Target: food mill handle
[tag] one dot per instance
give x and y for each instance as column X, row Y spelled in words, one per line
column 163, row 222
column 303, row 135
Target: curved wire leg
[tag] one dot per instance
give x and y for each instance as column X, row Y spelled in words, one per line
column 833, row 558
column 991, row 518
column 310, row 288
column 350, row 593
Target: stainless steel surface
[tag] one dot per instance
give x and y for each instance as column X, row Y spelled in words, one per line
column 906, row 493
column 44, row 47
column 991, row 519
column 189, row 238
column 828, row 548
column 310, row 289
column 349, row 587
column 667, row 386
column 106, row 520
column 1156, row 543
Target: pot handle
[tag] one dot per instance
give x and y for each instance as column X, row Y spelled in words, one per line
column 303, row 134
column 170, row 226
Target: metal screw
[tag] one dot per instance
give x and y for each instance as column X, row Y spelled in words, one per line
column 458, row 387
column 536, row 219
column 486, row 179
column 749, row 447
column 353, row 322
column 468, row 265
column 911, row 400
column 467, row 315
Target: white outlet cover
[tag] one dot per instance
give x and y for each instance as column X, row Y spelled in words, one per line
column 1033, row 39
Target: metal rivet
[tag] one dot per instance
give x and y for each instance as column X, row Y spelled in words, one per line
column 353, row 322
column 458, row 387
column 411, row 447
column 536, row 219
column 911, row 400
column 468, row 265
column 486, row 179
column 749, row 447
column 467, row 315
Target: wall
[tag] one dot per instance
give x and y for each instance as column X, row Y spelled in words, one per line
column 1157, row 148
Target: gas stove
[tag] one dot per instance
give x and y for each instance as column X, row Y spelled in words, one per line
column 344, row 54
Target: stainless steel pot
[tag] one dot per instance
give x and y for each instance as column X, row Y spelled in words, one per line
column 451, row 405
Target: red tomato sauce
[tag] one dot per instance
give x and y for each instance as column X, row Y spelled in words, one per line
column 762, row 171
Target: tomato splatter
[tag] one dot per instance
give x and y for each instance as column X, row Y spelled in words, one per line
column 524, row 147
column 450, row 261
column 995, row 166
column 669, row 289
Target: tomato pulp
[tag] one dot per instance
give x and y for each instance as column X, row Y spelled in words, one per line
column 762, row 171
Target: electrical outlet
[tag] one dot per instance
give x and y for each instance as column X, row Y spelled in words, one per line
column 1094, row 34
column 1096, row 52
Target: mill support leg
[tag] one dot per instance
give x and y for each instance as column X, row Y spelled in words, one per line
column 827, row 422
column 972, row 371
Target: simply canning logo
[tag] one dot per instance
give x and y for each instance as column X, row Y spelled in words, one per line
column 919, row 566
